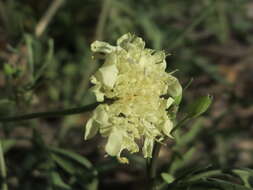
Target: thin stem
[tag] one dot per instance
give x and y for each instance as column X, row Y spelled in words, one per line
column 180, row 123
column 2, row 167
column 152, row 165
column 50, row 114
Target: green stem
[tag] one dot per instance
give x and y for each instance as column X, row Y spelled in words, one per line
column 151, row 167
column 50, row 114
column 2, row 168
column 186, row 118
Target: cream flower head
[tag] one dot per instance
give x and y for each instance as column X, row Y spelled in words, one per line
column 133, row 78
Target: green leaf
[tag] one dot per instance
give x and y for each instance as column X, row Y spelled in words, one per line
column 204, row 175
column 8, row 144
column 64, row 157
column 78, row 158
column 180, row 161
column 167, row 178
column 178, row 99
column 210, row 184
column 245, row 175
column 191, row 135
column 225, row 185
column 58, row 182
column 30, row 56
column 199, row 106
column 195, row 109
column 9, row 70
column 63, row 163
column 48, row 60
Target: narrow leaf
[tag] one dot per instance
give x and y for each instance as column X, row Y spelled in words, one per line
column 167, row 178
column 58, row 182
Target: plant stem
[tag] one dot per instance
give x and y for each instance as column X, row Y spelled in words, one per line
column 151, row 166
column 2, row 167
column 186, row 118
column 50, row 114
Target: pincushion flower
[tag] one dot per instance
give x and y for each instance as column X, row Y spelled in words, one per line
column 135, row 93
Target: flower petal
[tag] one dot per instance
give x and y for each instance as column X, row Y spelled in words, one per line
column 170, row 101
column 91, row 129
column 101, row 115
column 108, row 75
column 128, row 41
column 174, row 87
column 114, row 143
column 97, row 89
column 102, row 47
column 167, row 127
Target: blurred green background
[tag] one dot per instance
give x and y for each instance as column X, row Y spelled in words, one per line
column 43, row 69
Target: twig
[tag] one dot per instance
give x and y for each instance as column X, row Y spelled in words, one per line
column 47, row 17
column 50, row 114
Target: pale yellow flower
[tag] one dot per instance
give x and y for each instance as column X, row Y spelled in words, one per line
column 133, row 78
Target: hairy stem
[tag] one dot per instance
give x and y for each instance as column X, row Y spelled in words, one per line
column 50, row 114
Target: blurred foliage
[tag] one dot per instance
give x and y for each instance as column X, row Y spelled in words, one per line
column 209, row 40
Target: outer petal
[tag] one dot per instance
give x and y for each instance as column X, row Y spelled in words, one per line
column 97, row 89
column 170, row 101
column 102, row 47
column 100, row 114
column 123, row 40
column 99, row 95
column 128, row 40
column 114, row 143
column 174, row 87
column 129, row 144
column 91, row 129
column 158, row 57
column 167, row 127
column 108, row 75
